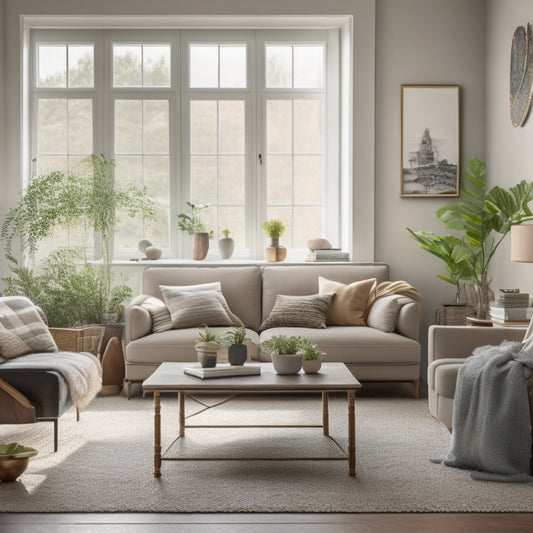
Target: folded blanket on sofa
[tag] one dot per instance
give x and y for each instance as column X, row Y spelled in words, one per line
column 81, row 370
column 388, row 288
column 491, row 430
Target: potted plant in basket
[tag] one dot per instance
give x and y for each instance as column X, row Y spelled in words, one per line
column 237, row 350
column 274, row 228
column 207, row 347
column 194, row 225
column 285, row 353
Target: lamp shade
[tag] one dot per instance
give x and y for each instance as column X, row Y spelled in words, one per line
column 522, row 243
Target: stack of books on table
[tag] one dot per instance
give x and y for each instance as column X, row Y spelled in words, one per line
column 512, row 309
column 329, row 254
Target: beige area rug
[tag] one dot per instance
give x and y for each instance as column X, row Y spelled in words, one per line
column 105, row 461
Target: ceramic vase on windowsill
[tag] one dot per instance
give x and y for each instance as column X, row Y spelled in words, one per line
column 276, row 251
column 201, row 245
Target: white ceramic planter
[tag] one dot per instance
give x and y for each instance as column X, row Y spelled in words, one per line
column 287, row 364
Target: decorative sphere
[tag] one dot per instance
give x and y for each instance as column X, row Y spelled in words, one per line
column 153, row 252
column 143, row 244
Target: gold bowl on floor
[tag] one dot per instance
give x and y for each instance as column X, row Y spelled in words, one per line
column 14, row 460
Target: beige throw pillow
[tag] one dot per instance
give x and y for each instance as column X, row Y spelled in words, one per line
column 350, row 302
column 193, row 308
column 383, row 313
column 298, row 311
column 161, row 320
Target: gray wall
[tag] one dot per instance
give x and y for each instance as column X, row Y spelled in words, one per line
column 423, row 42
column 509, row 149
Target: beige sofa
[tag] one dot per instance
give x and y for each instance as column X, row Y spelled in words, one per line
column 448, row 347
column 250, row 291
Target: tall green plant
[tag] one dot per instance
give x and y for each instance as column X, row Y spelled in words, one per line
column 484, row 218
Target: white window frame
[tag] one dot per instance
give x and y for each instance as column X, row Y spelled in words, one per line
column 361, row 86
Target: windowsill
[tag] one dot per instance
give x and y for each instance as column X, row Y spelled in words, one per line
column 218, row 262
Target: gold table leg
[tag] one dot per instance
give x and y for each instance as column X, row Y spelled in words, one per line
column 157, row 434
column 181, row 398
column 351, row 432
column 325, row 413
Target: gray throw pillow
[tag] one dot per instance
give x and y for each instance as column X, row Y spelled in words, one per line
column 383, row 313
column 161, row 320
column 190, row 309
column 298, row 311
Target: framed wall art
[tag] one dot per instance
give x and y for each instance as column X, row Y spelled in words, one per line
column 430, row 140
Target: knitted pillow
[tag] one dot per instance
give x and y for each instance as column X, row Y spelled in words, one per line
column 298, row 311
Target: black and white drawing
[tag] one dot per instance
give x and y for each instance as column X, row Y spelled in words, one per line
column 430, row 140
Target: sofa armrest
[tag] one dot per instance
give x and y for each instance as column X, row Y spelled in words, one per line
column 138, row 322
column 460, row 341
column 409, row 318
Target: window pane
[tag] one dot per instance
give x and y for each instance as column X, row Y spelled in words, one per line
column 156, row 130
column 279, row 180
column 308, row 180
column 52, row 65
column 128, row 126
column 80, row 65
column 309, row 67
column 157, row 181
column 307, row 222
column 52, row 163
column 233, row 66
column 129, row 168
column 156, row 65
column 278, row 66
column 203, row 67
column 203, row 127
column 53, row 126
column 127, row 65
column 308, row 127
column 279, row 126
column 204, row 179
column 231, row 180
column 80, row 126
column 231, row 127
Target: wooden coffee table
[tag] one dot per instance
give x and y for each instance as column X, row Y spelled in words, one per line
column 333, row 377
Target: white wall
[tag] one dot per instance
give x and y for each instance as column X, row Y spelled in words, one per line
column 509, row 149
column 423, row 42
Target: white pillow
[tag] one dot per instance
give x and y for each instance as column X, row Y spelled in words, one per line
column 383, row 313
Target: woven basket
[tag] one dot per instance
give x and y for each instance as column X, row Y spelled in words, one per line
column 80, row 339
column 453, row 315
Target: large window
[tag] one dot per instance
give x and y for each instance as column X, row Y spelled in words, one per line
column 240, row 120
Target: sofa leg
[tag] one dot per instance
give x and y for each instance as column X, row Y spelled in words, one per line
column 416, row 384
column 55, row 434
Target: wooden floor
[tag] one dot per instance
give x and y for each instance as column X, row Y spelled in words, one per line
column 263, row 523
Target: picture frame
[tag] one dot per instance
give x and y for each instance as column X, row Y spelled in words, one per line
column 430, row 144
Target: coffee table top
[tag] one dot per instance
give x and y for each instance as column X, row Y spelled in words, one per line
column 169, row 377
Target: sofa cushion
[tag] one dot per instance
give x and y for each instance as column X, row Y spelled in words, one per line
column 383, row 313
column 161, row 319
column 299, row 311
column 350, row 302
column 194, row 308
column 22, row 330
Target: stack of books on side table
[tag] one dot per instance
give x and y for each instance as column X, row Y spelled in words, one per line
column 329, row 254
column 511, row 309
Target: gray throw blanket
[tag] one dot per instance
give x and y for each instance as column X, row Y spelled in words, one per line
column 491, row 419
column 81, row 370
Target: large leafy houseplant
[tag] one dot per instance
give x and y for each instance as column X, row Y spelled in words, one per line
column 483, row 219
column 86, row 202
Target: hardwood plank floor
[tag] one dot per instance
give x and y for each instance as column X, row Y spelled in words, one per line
column 263, row 523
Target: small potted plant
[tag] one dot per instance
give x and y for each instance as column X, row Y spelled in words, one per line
column 237, row 350
column 207, row 347
column 285, row 353
column 194, row 225
column 226, row 245
column 311, row 356
column 274, row 228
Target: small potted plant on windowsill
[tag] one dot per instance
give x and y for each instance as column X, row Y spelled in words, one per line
column 274, row 228
column 207, row 347
column 237, row 350
column 194, row 225
column 285, row 353
column 226, row 245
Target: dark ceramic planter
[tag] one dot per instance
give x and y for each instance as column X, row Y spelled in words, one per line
column 237, row 354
